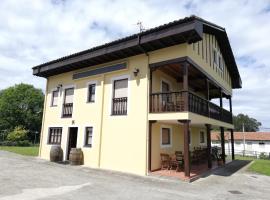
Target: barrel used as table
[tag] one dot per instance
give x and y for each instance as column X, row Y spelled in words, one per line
column 76, row 156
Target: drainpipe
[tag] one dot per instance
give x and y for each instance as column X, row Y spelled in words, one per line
column 101, row 121
column 147, row 96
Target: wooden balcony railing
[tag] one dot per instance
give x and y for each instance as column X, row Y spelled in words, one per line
column 119, row 106
column 175, row 102
column 67, row 109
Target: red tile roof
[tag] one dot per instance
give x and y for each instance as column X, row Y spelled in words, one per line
column 261, row 136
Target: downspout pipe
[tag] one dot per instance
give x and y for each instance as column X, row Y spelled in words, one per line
column 147, row 96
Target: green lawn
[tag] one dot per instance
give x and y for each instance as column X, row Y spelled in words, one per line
column 261, row 166
column 238, row 157
column 27, row 151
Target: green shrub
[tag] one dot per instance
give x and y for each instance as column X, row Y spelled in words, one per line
column 263, row 156
column 18, row 134
column 24, row 143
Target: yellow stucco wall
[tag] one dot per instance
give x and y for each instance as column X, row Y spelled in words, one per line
column 177, row 141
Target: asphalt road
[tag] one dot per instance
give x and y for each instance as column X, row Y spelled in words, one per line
column 26, row 178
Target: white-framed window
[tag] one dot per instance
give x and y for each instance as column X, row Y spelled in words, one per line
column 55, row 95
column 55, row 135
column 88, row 139
column 91, row 93
column 166, row 136
column 202, row 137
column 120, row 97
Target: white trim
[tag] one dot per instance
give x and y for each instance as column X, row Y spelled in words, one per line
column 171, row 135
column 63, row 97
column 115, row 78
column 87, row 93
column 84, row 134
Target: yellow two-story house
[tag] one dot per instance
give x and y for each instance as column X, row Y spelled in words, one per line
column 126, row 102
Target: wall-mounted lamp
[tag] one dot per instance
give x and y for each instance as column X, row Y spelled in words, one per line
column 136, row 71
column 59, row 86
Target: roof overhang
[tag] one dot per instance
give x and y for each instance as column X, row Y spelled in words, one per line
column 187, row 30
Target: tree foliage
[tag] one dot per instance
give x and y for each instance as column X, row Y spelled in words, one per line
column 21, row 105
column 250, row 124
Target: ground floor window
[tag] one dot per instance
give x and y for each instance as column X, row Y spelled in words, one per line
column 55, row 135
column 166, row 137
column 88, row 136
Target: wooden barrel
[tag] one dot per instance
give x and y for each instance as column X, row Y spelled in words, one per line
column 56, row 153
column 76, row 156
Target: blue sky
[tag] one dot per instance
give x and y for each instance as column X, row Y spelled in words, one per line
column 36, row 31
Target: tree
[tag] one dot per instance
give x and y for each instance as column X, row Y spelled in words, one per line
column 250, row 124
column 21, row 105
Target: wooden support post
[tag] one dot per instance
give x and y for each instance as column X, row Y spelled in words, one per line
column 186, row 147
column 150, row 90
column 185, row 86
column 232, row 144
column 221, row 104
column 222, row 144
column 230, row 102
column 207, row 96
column 209, row 149
column 150, row 145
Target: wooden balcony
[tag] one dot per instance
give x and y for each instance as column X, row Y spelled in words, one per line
column 184, row 101
column 67, row 110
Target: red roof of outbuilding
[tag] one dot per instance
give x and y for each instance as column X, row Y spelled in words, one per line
column 261, row 136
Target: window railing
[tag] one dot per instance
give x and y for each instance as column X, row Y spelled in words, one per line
column 119, row 106
column 67, row 109
column 175, row 102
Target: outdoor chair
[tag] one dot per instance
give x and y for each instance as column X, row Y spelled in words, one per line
column 178, row 161
column 165, row 161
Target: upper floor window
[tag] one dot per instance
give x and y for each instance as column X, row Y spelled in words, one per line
column 88, row 136
column 215, row 56
column 220, row 63
column 68, row 102
column 91, row 92
column 202, row 137
column 55, row 135
column 54, row 98
column 120, row 97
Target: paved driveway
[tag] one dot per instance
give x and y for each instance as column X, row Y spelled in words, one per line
column 25, row 178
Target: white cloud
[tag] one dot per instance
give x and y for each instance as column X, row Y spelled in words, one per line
column 33, row 32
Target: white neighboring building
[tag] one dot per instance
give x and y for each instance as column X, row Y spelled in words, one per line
column 252, row 143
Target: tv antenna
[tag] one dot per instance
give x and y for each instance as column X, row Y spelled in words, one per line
column 140, row 25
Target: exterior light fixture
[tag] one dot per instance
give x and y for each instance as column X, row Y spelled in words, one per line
column 136, row 71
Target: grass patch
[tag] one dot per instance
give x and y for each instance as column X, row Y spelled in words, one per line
column 261, row 167
column 26, row 151
column 238, row 157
